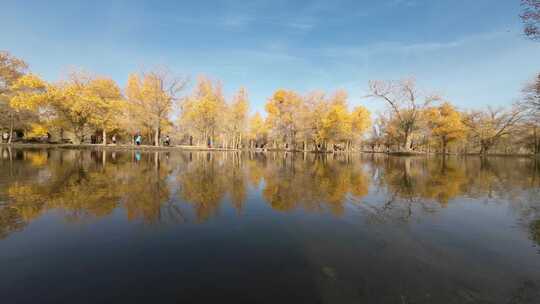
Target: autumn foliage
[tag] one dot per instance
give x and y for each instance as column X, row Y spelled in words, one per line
column 156, row 104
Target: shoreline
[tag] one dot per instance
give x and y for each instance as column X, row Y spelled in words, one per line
column 111, row 147
column 123, row 147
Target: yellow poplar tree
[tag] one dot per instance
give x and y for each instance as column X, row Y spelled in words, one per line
column 11, row 69
column 238, row 116
column 29, row 96
column 360, row 121
column 336, row 125
column 203, row 111
column 312, row 115
column 108, row 105
column 74, row 107
column 446, row 123
column 153, row 95
column 257, row 129
column 282, row 112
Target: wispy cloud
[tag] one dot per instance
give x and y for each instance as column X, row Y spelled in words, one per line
column 408, row 3
column 245, row 21
column 236, row 21
column 395, row 47
column 303, row 26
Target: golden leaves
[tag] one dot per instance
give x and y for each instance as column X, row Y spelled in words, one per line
column 445, row 123
column 29, row 93
column 203, row 112
column 316, row 117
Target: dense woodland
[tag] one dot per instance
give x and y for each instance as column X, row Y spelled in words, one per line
column 85, row 108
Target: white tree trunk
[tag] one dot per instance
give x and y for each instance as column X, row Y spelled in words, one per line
column 10, row 139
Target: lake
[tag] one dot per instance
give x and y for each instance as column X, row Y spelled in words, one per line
column 89, row 226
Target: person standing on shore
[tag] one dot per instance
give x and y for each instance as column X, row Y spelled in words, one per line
column 138, row 139
column 114, row 139
column 5, row 137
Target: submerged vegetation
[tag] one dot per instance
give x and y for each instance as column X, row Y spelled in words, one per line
column 156, row 105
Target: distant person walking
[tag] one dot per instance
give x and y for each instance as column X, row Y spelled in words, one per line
column 138, row 140
column 167, row 141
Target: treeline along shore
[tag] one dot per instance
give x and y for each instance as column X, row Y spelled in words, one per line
column 158, row 108
column 185, row 148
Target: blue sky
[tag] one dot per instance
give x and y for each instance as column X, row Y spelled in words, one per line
column 472, row 52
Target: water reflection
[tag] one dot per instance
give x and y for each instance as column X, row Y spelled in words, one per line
column 156, row 187
column 313, row 228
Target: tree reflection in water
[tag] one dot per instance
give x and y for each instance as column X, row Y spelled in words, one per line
column 156, row 187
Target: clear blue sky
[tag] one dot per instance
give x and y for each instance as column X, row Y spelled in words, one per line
column 473, row 52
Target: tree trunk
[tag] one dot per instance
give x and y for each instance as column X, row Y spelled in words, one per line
column 10, row 139
column 444, row 144
column 104, row 135
column 407, row 146
column 78, row 135
column 103, row 158
column 156, row 136
column 76, row 139
column 484, row 149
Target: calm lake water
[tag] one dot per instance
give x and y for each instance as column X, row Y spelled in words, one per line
column 88, row 226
